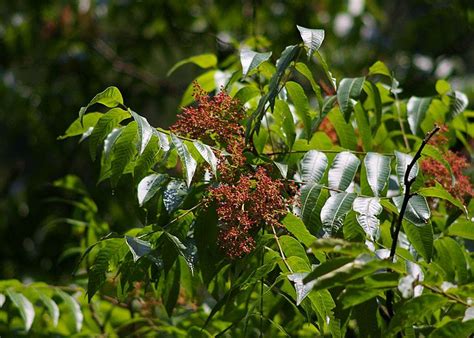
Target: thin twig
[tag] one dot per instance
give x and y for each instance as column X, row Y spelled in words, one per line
column 408, row 182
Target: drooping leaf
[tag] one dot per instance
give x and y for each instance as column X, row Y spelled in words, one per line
column 300, row 101
column 138, row 247
column 145, row 131
column 417, row 210
column 288, row 125
column 458, row 103
column 421, row 238
column 203, row 60
column 188, row 162
column 254, row 122
column 105, row 124
column 302, row 290
column 250, row 60
column 297, row 228
column 363, row 126
column 52, row 307
column 450, row 256
column 403, row 160
column 310, row 194
column 415, row 310
column 207, row 154
column 148, row 159
column 334, row 211
column 188, row 255
column 345, row 131
column 332, row 79
column 313, row 166
column 343, row 170
column 439, row 192
column 123, row 151
column 74, row 307
column 174, row 194
column 304, row 70
column 110, row 97
column 312, row 38
column 349, row 88
column 416, row 111
column 368, row 209
column 378, row 170
column 24, row 306
column 79, row 127
column 282, row 168
column 148, row 187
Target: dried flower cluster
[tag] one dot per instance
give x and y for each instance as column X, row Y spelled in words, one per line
column 246, row 200
column 461, row 187
column 256, row 200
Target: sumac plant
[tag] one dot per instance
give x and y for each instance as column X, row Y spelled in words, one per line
column 284, row 202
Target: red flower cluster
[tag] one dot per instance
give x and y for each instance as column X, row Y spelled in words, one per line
column 255, row 200
column 214, row 120
column 461, row 188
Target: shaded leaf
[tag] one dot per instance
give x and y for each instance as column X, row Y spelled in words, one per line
column 417, row 210
column 297, row 228
column 300, row 101
column 174, row 194
column 138, row 247
column 439, row 192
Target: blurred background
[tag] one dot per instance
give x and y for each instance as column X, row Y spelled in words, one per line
column 56, row 55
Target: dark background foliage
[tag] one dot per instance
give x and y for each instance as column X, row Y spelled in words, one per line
column 55, row 55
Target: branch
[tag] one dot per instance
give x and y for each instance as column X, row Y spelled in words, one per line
column 408, row 182
column 326, row 151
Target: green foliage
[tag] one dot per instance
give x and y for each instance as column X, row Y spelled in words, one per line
column 329, row 258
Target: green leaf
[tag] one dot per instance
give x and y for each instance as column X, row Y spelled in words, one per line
column 182, row 250
column 345, row 131
column 254, row 122
column 138, row 247
column 288, row 126
column 302, row 290
column 439, row 192
column 110, row 97
column 310, row 194
column 379, row 68
column 24, row 306
column 332, row 79
column 417, row 210
column 403, row 160
column 374, row 98
column 454, row 328
column 297, row 228
column 282, row 168
column 363, row 126
column 146, row 161
column 349, row 88
column 353, row 296
column 416, row 111
column 343, row 170
column 421, row 238
column 123, row 152
column 145, row 131
column 368, row 209
column 313, row 166
column 304, row 70
column 414, row 310
column 104, row 126
column 250, row 60
column 203, row 60
column 74, row 307
column 450, row 256
column 292, row 247
column 207, row 154
column 458, row 103
column 205, row 234
column 188, row 162
column 443, row 87
column 52, row 307
column 462, row 228
column 312, row 38
column 174, row 194
column 378, row 171
column 79, row 127
column 246, row 93
column 300, row 101
column 334, row 211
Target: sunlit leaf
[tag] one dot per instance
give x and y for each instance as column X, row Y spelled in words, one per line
column 138, row 247
column 188, row 162
column 312, row 38
column 207, row 154
column 24, row 306
column 416, row 111
column 313, row 166
column 202, row 60
column 349, row 88
column 368, row 209
column 378, row 170
column 250, row 60
column 334, row 211
column 343, row 170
